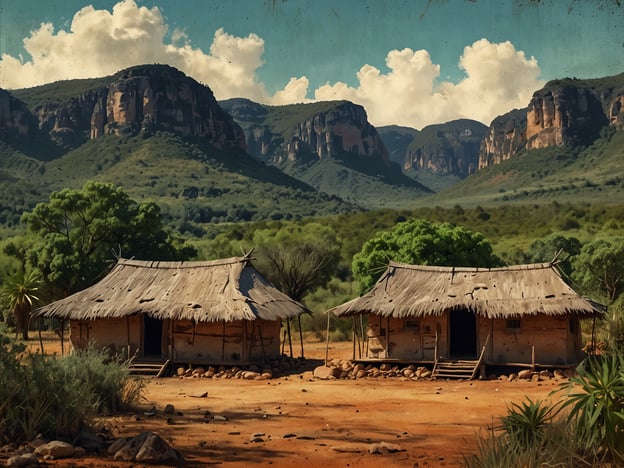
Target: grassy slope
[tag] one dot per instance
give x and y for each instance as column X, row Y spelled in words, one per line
column 592, row 174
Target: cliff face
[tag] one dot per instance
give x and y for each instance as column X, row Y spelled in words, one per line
column 343, row 129
column 306, row 132
column 447, row 149
column 142, row 98
column 505, row 137
column 564, row 112
column 16, row 122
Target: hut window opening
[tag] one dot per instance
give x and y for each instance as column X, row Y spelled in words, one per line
column 513, row 325
column 412, row 325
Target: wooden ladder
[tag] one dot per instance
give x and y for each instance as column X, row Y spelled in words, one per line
column 148, row 368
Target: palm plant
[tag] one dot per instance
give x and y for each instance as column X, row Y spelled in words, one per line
column 19, row 295
column 596, row 404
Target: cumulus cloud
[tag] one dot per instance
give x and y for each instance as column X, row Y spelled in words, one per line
column 102, row 42
column 497, row 78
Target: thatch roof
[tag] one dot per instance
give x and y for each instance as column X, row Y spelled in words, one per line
column 222, row 290
column 509, row 292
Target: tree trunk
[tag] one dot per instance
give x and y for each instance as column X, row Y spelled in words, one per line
column 22, row 318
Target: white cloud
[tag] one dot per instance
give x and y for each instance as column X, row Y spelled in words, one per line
column 100, row 42
column 498, row 79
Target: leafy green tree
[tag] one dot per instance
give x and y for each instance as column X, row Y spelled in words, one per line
column 421, row 242
column 599, row 267
column 297, row 259
column 76, row 233
column 20, row 293
column 555, row 246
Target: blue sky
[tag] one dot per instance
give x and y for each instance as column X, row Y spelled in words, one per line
column 410, row 62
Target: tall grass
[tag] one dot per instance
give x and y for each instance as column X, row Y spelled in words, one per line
column 59, row 397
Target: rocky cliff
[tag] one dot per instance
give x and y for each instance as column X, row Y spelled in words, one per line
column 142, row 98
column 447, row 149
column 16, row 122
column 306, row 132
column 564, row 112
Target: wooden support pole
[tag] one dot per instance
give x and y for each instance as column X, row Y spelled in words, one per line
column 289, row 337
column 387, row 337
column 354, row 336
column 533, row 358
column 327, row 341
column 300, row 334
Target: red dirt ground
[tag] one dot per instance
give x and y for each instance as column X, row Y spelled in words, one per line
column 309, row 422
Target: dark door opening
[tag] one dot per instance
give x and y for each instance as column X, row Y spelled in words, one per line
column 463, row 334
column 152, row 336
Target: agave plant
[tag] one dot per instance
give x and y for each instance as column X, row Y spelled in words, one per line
column 596, row 403
column 19, row 293
column 525, row 422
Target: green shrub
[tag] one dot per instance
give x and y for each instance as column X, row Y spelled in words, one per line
column 40, row 394
column 595, row 399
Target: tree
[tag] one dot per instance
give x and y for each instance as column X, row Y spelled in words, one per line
column 599, row 267
column 19, row 293
column 297, row 259
column 75, row 234
column 421, row 242
column 555, row 245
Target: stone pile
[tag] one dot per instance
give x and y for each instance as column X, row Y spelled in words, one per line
column 148, row 448
column 347, row 369
column 266, row 371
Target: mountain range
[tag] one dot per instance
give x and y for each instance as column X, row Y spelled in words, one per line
column 163, row 136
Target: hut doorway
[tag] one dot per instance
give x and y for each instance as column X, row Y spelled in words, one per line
column 152, row 336
column 462, row 334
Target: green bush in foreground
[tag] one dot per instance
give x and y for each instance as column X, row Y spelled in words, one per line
column 57, row 397
column 540, row 434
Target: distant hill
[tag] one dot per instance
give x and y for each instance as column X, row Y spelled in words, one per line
column 163, row 136
column 156, row 132
column 328, row 145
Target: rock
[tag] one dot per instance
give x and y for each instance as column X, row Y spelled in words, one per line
column 200, row 395
column 180, row 371
column 55, row 449
column 118, row 444
column 383, row 448
column 199, row 371
column 525, row 374
column 512, row 377
column 147, row 447
column 155, row 450
column 22, row 460
column 169, row 409
column 325, row 373
column 409, row 373
column 218, row 417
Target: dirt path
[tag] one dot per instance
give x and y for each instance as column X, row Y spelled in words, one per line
column 299, row 421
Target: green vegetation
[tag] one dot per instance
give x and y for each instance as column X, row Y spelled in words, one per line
column 73, row 236
column 19, row 294
column 586, row 428
column 421, row 242
column 43, row 395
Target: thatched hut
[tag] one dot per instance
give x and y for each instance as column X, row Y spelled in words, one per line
column 517, row 315
column 217, row 312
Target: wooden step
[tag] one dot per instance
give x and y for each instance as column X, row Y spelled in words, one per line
column 460, row 369
column 153, row 368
